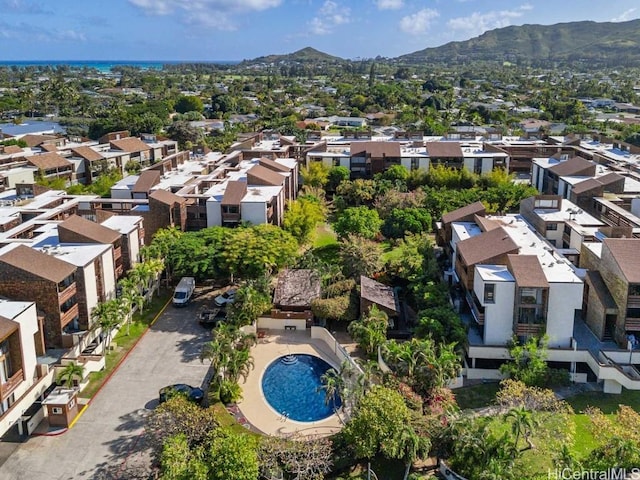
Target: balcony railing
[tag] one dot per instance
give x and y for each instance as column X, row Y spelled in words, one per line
column 477, row 313
column 10, row 385
column 632, row 324
column 69, row 315
column 67, row 293
column 528, row 329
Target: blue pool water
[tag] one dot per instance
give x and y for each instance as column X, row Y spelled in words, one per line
column 290, row 385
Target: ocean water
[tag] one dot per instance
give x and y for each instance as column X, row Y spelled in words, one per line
column 105, row 66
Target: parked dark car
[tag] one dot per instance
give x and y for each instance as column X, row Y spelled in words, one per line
column 211, row 318
column 194, row 394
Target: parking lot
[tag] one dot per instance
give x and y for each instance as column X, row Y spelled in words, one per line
column 107, row 437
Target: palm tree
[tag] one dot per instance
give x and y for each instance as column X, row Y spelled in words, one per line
column 522, row 425
column 411, row 447
column 129, row 298
column 332, row 384
column 69, row 373
column 107, row 316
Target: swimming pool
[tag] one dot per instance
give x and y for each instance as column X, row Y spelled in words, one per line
column 290, row 385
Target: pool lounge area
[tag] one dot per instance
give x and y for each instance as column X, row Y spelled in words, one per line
column 254, row 407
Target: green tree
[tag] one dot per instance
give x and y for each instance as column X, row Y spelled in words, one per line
column 360, row 256
column 179, row 461
column 377, row 424
column 302, row 217
column 315, row 175
column 529, row 362
column 251, row 300
column 336, row 176
column 69, row 373
column 233, row 456
column 361, row 221
column 370, row 331
column 189, row 103
column 107, row 316
column 185, row 134
column 406, row 220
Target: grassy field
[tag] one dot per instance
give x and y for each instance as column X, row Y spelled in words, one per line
column 477, row 396
column 324, row 236
column 125, row 342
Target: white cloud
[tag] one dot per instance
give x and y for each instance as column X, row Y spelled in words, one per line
column 210, row 13
column 478, row 23
column 328, row 17
column 418, row 23
column 389, row 4
column 625, row 16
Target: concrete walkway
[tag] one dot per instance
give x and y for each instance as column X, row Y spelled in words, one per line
column 255, row 409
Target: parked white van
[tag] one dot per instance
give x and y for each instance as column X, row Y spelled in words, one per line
column 184, row 290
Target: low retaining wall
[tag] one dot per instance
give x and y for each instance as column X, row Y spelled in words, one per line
column 282, row 323
column 323, row 334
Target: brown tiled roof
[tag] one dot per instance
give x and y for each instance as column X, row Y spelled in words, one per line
column 268, row 176
column 33, row 140
column 625, row 253
column 444, row 149
column 601, row 290
column 38, row 263
column 49, row 147
column 47, row 161
column 609, row 178
column 573, row 166
column 9, row 149
column 87, row 153
column 166, row 197
column 527, row 271
column 476, row 208
column 378, row 293
column 485, row 223
column 7, row 327
column 130, row 144
column 486, row 246
column 86, row 228
column 296, row 288
column 376, row 149
column 273, row 165
column 586, row 186
column 234, row 193
column 146, row 180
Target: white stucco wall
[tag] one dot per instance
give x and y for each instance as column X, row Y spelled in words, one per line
column 254, row 212
column 109, row 275
column 91, row 287
column 28, row 321
column 134, row 246
column 18, row 175
column 214, row 213
column 498, row 316
column 564, row 300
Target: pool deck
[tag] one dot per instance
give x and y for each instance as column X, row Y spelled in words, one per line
column 254, row 409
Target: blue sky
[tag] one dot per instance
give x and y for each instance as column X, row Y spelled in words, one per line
column 192, row 30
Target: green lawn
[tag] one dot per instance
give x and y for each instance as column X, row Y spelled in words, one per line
column 324, row 236
column 125, row 342
column 476, row 396
column 606, row 402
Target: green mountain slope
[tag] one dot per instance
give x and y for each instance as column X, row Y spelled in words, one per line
column 611, row 44
column 306, row 55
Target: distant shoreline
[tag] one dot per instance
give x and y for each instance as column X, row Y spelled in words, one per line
column 106, row 66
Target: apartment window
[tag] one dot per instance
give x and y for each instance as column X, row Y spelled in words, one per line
column 415, row 163
column 336, row 162
column 634, row 290
column 489, row 293
column 552, row 226
column 529, row 295
column 633, row 312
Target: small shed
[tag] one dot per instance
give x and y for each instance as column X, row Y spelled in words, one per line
column 293, row 294
column 62, row 407
column 382, row 296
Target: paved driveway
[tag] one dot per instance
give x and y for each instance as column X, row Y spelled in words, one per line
column 109, row 432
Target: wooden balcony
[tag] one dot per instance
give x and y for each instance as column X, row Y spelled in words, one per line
column 230, row 217
column 117, row 253
column 69, row 315
column 67, row 293
column 529, row 329
column 10, row 385
column 632, row 324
